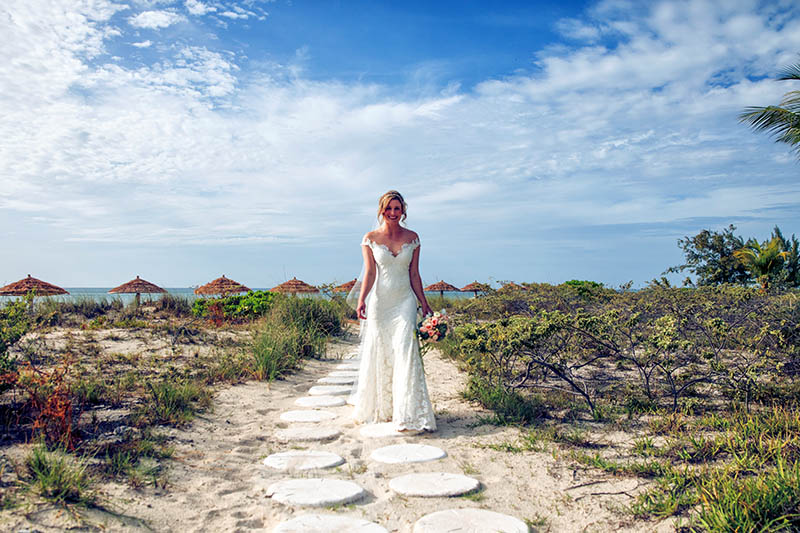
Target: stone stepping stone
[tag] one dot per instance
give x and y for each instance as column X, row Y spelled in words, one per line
column 384, row 430
column 320, row 401
column 306, row 434
column 315, row 492
column 335, row 380
column 343, row 374
column 355, row 365
column 407, row 453
column 302, row 460
column 307, row 416
column 329, row 390
column 434, row 484
column 328, row 523
column 469, row 521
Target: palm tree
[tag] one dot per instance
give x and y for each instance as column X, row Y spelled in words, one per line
column 764, row 261
column 781, row 121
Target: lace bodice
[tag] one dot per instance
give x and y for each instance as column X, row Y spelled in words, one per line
column 392, row 280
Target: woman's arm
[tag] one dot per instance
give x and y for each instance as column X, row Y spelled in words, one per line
column 416, row 282
column 366, row 283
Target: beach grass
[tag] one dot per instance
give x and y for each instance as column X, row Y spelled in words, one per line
column 59, row 477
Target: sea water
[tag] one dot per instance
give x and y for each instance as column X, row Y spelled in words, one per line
column 100, row 294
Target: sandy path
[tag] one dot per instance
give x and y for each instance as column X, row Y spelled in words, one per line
column 217, row 481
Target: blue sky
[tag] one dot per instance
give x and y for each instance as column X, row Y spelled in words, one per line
column 534, row 141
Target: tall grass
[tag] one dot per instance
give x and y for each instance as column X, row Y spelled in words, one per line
column 310, row 314
column 508, row 406
column 295, row 328
column 174, row 305
column 276, row 349
column 54, row 312
column 769, row 501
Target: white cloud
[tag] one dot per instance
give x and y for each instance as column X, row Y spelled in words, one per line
column 143, row 44
column 155, row 19
column 195, row 7
column 233, row 15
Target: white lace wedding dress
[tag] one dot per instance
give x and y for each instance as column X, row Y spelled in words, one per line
column 391, row 382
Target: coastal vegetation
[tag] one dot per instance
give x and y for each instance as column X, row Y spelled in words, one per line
column 703, row 381
column 92, row 383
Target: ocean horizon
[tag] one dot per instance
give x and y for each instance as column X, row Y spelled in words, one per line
column 101, row 294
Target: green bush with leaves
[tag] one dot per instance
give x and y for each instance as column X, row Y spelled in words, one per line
column 15, row 322
column 663, row 346
column 237, row 306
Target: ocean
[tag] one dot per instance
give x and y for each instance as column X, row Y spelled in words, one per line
column 101, row 293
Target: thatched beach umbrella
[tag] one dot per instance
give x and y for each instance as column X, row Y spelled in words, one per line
column 346, row 287
column 441, row 286
column 476, row 288
column 221, row 286
column 294, row 286
column 26, row 285
column 137, row 286
column 511, row 286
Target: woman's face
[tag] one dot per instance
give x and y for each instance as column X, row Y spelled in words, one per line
column 393, row 212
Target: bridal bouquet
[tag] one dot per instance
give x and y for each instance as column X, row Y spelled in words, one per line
column 433, row 327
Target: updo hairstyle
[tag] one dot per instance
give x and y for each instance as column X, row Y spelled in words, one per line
column 383, row 203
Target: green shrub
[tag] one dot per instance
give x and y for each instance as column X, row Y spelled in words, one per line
column 237, row 306
column 200, row 307
column 14, row 323
column 585, row 290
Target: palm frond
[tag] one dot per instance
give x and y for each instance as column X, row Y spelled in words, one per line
column 791, row 101
column 782, row 121
column 773, row 119
column 792, row 72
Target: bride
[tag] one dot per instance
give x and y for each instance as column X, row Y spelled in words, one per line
column 391, row 382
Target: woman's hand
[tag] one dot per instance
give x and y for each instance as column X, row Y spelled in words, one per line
column 426, row 310
column 361, row 310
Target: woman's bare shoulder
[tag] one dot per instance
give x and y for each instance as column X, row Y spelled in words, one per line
column 411, row 235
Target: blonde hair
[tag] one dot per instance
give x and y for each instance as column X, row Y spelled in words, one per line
column 383, row 203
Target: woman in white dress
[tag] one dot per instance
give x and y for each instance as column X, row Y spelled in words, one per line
column 391, row 381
